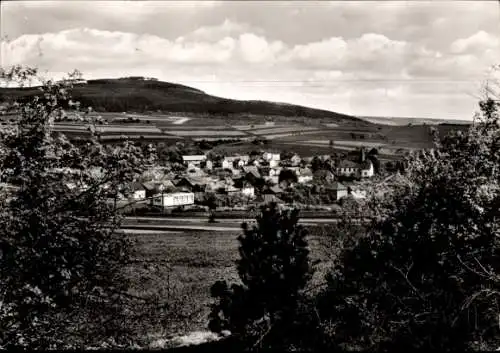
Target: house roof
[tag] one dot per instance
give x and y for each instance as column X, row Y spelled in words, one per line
column 260, row 199
column 167, row 183
column 366, row 164
column 253, row 170
column 192, row 181
column 348, row 164
column 275, row 189
column 150, row 186
column 156, row 186
column 337, row 186
column 305, row 172
column 322, row 173
column 199, row 157
column 234, row 158
column 136, row 186
column 230, row 188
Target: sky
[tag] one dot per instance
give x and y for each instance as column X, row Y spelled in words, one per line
column 397, row 58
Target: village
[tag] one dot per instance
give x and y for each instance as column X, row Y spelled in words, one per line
column 242, row 181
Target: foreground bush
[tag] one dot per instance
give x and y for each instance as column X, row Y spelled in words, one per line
column 426, row 275
column 60, row 257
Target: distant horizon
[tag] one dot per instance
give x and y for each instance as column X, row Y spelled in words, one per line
column 264, row 100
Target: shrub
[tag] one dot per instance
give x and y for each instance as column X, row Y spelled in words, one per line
column 60, row 259
column 427, row 274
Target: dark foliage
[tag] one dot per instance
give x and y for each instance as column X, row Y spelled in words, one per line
column 60, row 257
column 268, row 309
column 426, row 274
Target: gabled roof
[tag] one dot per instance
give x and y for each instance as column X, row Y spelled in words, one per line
column 150, row 185
column 367, row 164
column 322, row 173
column 157, row 186
column 230, row 188
column 305, row 172
column 234, row 158
column 348, row 164
column 136, row 186
column 252, row 170
column 337, row 186
column 247, row 185
column 275, row 189
column 198, row 157
column 192, row 181
column 260, row 199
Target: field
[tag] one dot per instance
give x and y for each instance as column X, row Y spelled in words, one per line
column 147, row 109
column 302, row 135
column 183, row 266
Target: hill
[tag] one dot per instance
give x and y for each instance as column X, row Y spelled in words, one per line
column 136, row 94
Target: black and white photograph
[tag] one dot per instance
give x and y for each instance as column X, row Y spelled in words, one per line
column 250, row 176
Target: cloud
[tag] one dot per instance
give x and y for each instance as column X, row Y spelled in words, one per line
column 477, row 43
column 111, row 48
column 214, row 33
column 255, row 49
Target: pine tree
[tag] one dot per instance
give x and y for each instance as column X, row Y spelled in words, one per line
column 274, row 268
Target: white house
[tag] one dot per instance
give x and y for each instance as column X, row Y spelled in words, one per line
column 173, row 199
column 228, row 162
column 194, row 159
column 358, row 193
column 248, row 190
column 268, row 156
column 138, row 192
column 304, row 175
column 239, row 163
column 209, row 165
column 340, row 190
column 272, row 158
column 295, row 160
column 348, row 168
column 274, row 172
column 367, row 170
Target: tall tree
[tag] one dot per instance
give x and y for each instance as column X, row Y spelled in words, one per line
column 274, row 268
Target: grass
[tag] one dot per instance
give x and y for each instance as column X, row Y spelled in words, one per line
column 206, row 132
column 279, row 130
column 182, row 266
column 367, row 144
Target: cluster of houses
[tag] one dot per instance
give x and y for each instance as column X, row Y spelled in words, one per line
column 257, row 179
column 242, row 175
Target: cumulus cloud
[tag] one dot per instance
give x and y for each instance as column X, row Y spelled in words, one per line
column 227, row 28
column 477, row 43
